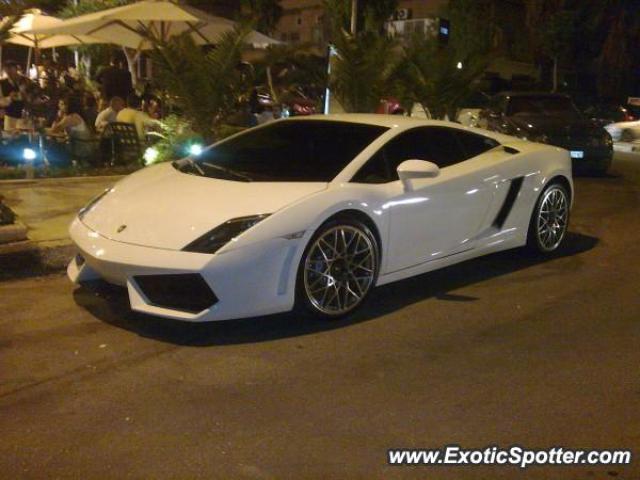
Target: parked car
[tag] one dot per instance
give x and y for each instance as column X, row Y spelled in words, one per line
column 553, row 119
column 313, row 212
column 625, row 135
column 624, row 131
column 469, row 114
column 606, row 114
column 294, row 102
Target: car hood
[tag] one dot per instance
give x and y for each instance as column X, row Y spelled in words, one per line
column 555, row 125
column 163, row 208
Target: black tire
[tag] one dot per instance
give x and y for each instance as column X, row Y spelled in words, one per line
column 348, row 279
column 538, row 241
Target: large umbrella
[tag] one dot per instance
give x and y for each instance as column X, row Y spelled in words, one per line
column 22, row 33
column 139, row 25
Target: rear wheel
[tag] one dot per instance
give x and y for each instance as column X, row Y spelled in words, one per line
column 550, row 220
column 338, row 269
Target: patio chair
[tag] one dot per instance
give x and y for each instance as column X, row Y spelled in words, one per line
column 85, row 150
column 125, row 143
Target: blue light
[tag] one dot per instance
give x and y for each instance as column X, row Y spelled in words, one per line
column 29, row 154
column 195, row 149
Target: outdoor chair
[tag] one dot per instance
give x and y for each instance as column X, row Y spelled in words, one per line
column 85, row 150
column 125, row 143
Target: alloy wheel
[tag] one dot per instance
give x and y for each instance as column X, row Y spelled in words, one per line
column 339, row 269
column 553, row 215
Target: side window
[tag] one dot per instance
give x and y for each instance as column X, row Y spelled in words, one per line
column 374, row 171
column 442, row 147
column 384, row 163
column 434, row 144
column 474, row 144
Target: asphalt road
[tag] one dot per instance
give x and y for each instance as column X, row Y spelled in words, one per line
column 502, row 350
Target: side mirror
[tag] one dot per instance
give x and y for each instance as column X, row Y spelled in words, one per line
column 410, row 169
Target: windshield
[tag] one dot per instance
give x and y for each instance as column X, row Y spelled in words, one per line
column 541, row 105
column 287, row 151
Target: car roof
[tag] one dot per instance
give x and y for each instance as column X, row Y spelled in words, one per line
column 381, row 120
column 399, row 122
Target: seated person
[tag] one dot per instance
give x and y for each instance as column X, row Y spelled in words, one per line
column 132, row 114
column 89, row 108
column 11, row 95
column 71, row 123
column 109, row 114
column 151, row 105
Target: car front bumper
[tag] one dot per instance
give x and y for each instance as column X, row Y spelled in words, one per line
column 258, row 279
column 594, row 159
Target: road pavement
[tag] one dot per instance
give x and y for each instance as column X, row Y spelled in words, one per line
column 502, row 350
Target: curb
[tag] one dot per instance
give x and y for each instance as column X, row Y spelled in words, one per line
column 27, row 181
column 15, row 232
column 31, row 259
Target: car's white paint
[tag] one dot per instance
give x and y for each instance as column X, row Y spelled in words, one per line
column 625, row 136
column 469, row 117
column 620, row 130
column 424, row 223
column 164, row 208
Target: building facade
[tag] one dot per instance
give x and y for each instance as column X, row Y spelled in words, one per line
column 303, row 21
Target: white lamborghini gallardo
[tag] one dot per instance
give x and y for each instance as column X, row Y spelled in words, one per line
column 315, row 212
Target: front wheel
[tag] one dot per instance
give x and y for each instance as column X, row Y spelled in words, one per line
column 338, row 269
column 550, row 220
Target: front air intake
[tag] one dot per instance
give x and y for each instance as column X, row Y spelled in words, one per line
column 187, row 292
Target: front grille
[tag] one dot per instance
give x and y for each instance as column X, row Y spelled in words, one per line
column 575, row 142
column 186, row 292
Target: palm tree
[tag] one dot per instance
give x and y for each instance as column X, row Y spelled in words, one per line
column 362, row 69
column 283, row 68
column 263, row 13
column 10, row 13
column 435, row 76
column 206, row 87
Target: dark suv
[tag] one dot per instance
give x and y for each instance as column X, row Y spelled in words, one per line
column 553, row 119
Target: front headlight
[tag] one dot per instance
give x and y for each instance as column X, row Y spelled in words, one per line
column 87, row 208
column 212, row 241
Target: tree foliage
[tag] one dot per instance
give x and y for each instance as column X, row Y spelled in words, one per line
column 365, row 62
column 618, row 63
column 429, row 74
column 362, row 69
column 206, row 87
column 263, row 14
column 287, row 68
column 473, row 26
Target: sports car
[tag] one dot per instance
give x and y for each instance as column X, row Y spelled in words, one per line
column 313, row 213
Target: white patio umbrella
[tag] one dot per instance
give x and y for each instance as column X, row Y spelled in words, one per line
column 22, row 32
column 138, row 25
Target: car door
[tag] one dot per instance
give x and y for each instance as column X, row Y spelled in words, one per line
column 439, row 216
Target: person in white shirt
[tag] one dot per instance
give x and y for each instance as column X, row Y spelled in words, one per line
column 109, row 114
column 132, row 114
